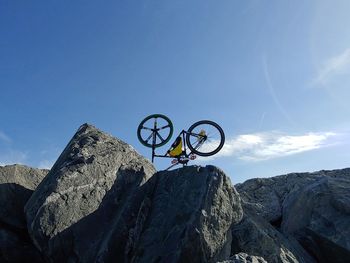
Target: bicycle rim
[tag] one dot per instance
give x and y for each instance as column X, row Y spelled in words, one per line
column 155, row 138
column 205, row 138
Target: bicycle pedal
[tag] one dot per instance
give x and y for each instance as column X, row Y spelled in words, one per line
column 174, row 161
column 193, row 156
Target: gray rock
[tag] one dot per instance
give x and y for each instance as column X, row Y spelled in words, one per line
column 319, row 216
column 97, row 204
column 244, row 258
column 87, row 188
column 255, row 236
column 16, row 246
column 266, row 195
column 17, row 183
column 186, row 216
column 312, row 207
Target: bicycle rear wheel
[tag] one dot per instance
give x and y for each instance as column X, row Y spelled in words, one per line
column 155, row 130
column 205, row 138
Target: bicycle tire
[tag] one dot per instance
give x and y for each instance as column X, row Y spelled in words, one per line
column 162, row 142
column 192, row 133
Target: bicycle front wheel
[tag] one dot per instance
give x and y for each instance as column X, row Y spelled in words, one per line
column 155, row 130
column 205, row 138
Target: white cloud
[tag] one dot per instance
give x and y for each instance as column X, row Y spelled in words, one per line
column 4, row 137
column 269, row 145
column 339, row 64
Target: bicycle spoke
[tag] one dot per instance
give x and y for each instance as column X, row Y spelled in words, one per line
column 146, row 128
column 149, row 138
column 207, row 142
column 166, row 126
column 196, row 135
column 160, row 137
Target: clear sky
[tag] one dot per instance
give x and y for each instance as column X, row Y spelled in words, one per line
column 274, row 74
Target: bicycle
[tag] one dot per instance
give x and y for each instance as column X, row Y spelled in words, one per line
column 203, row 138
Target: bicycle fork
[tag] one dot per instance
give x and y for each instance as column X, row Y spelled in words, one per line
column 154, row 138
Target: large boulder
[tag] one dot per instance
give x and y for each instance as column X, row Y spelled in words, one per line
column 99, row 203
column 185, row 216
column 319, row 216
column 266, row 195
column 255, row 236
column 311, row 207
column 17, row 183
column 87, row 188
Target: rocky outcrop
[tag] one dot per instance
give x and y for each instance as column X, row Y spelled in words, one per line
column 103, row 202
column 89, row 185
column 319, row 217
column 185, row 216
column 255, row 236
column 17, row 183
column 266, row 195
column 244, row 258
column 97, row 204
column 312, row 208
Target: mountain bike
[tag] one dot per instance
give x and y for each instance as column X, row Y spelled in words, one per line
column 203, row 138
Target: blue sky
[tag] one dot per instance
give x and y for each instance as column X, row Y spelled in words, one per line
column 274, row 74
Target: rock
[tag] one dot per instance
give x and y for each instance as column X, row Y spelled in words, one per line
column 103, row 202
column 186, row 216
column 312, row 207
column 266, row 195
column 99, row 203
column 319, row 216
column 255, row 236
column 16, row 246
column 17, row 183
column 87, row 188
column 244, row 258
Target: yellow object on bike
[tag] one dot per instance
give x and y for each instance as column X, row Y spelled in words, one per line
column 176, row 148
column 202, row 134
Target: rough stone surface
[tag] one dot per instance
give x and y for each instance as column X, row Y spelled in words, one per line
column 311, row 207
column 186, row 216
column 244, row 258
column 17, row 183
column 78, row 200
column 16, row 246
column 255, row 236
column 319, row 216
column 266, row 195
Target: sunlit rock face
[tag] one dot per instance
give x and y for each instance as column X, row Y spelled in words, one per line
column 319, row 217
column 185, row 216
column 17, row 183
column 78, row 200
column 102, row 202
column 311, row 208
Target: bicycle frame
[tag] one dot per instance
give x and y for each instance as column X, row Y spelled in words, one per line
column 184, row 151
column 183, row 158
